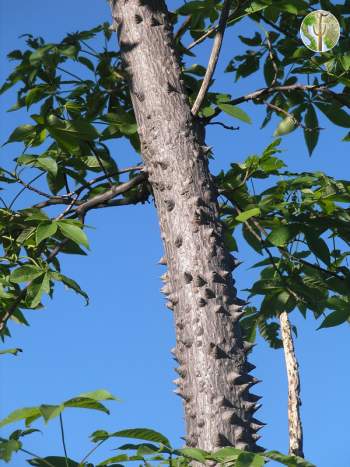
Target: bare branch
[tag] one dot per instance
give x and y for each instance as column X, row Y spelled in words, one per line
column 227, row 127
column 66, row 199
column 263, row 92
column 214, row 56
column 105, row 197
column 26, row 186
column 213, row 29
column 294, row 401
column 100, row 163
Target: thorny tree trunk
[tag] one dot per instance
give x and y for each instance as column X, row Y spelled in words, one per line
column 213, row 370
column 294, row 402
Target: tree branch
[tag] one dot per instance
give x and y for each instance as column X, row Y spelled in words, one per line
column 105, row 197
column 260, row 93
column 227, row 127
column 66, row 199
column 100, row 163
column 214, row 56
column 294, row 401
column 101, row 200
column 212, row 30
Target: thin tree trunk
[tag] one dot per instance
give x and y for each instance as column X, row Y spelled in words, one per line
column 294, row 402
column 213, row 370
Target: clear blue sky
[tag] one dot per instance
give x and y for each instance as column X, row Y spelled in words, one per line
column 122, row 341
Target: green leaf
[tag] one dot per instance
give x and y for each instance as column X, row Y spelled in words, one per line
column 251, row 239
column 99, row 395
column 335, row 114
column 318, row 247
column 290, row 461
column 70, row 51
column 335, row 318
column 49, row 412
column 20, row 414
column 269, row 71
column 17, row 434
column 55, row 461
column 36, row 289
column 196, row 69
column 226, row 454
column 90, row 400
column 281, row 235
column 245, row 215
column 34, row 214
column 248, row 459
column 22, row 133
column 192, row 7
column 287, row 125
column 73, row 232
column 8, row 447
column 235, row 112
column 15, row 351
column 56, row 183
column 38, row 55
column 70, row 133
column 78, row 129
column 120, row 458
column 142, row 448
column 142, row 433
column 345, row 61
column 293, row 7
column 85, row 61
column 25, row 273
column 195, row 454
column 34, row 95
column 70, row 283
column 311, row 132
column 45, row 230
column 47, row 164
column 99, row 435
column 86, row 403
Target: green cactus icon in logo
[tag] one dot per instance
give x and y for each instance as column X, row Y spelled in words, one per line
column 320, row 31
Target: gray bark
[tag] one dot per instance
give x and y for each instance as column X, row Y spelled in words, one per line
column 213, row 369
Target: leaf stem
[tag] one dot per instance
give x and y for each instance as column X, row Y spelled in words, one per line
column 81, row 463
column 63, row 440
column 37, row 457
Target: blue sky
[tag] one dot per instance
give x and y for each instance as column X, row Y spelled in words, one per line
column 122, row 341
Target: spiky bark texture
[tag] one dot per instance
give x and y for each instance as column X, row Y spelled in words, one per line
column 294, row 401
column 213, row 369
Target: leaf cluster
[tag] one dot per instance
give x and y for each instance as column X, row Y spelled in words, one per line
column 300, row 225
column 143, row 445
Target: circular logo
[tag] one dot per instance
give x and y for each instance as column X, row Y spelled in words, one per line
column 320, row 31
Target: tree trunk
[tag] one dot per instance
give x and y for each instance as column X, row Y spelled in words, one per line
column 294, row 402
column 213, row 370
